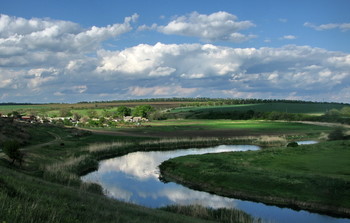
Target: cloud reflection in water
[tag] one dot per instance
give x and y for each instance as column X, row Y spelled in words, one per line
column 134, row 178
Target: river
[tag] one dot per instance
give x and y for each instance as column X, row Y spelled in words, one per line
column 134, row 178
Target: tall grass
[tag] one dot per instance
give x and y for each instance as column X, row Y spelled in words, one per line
column 222, row 215
column 181, row 143
column 26, row 211
column 69, row 171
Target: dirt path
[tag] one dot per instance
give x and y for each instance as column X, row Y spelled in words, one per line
column 328, row 124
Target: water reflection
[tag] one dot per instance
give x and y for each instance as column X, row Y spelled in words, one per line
column 308, row 142
column 134, row 178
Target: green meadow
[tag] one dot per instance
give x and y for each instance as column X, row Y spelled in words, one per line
column 303, row 108
column 314, row 177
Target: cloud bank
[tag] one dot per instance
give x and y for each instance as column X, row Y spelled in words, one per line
column 342, row 26
column 44, row 60
column 219, row 26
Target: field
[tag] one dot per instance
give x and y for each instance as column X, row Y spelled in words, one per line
column 82, row 107
column 314, row 177
column 303, row 108
column 218, row 128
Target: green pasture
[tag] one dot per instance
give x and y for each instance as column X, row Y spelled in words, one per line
column 317, row 174
column 254, row 125
column 5, row 109
column 302, row 108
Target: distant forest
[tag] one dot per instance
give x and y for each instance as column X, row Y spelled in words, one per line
column 223, row 101
column 197, row 101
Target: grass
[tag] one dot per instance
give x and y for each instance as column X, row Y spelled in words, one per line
column 80, row 107
column 47, row 188
column 221, row 215
column 251, row 127
column 313, row 177
column 25, row 199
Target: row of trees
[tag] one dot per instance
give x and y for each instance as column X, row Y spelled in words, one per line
column 209, row 100
column 121, row 111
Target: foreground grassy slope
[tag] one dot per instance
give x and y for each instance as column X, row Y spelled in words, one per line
column 47, row 187
column 314, row 177
column 25, row 198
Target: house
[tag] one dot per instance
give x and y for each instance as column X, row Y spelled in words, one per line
column 27, row 118
column 128, row 119
column 135, row 119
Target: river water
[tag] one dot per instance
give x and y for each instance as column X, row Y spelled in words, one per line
column 134, row 178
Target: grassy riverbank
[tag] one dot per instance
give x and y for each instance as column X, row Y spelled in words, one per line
column 47, row 187
column 313, row 177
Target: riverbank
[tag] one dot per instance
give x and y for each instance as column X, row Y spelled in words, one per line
column 47, row 186
column 313, row 177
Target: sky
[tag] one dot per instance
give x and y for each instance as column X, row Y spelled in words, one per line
column 69, row 51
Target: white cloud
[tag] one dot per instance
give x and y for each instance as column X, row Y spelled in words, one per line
column 283, row 20
column 56, row 66
column 289, row 37
column 161, row 91
column 162, row 71
column 212, row 69
column 192, row 60
column 342, row 26
column 19, row 36
column 219, row 26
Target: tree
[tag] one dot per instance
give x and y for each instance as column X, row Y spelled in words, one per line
column 106, row 113
column 143, row 110
column 65, row 113
column 123, row 111
column 15, row 114
column 345, row 111
column 11, row 149
column 92, row 113
column 76, row 116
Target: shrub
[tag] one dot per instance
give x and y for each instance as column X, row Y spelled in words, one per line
column 292, row 144
column 11, row 149
column 337, row 134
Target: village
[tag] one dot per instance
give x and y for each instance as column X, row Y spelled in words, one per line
column 78, row 121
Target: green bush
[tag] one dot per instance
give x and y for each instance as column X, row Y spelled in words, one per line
column 11, row 149
column 337, row 134
column 292, row 144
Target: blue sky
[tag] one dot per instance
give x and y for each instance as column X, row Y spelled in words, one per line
column 69, row 51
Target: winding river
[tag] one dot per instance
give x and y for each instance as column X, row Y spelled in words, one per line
column 134, row 178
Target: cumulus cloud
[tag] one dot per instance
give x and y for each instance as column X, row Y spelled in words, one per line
column 19, row 36
column 189, row 70
column 167, row 91
column 219, row 26
column 289, row 68
column 289, row 37
column 58, row 67
column 342, row 26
